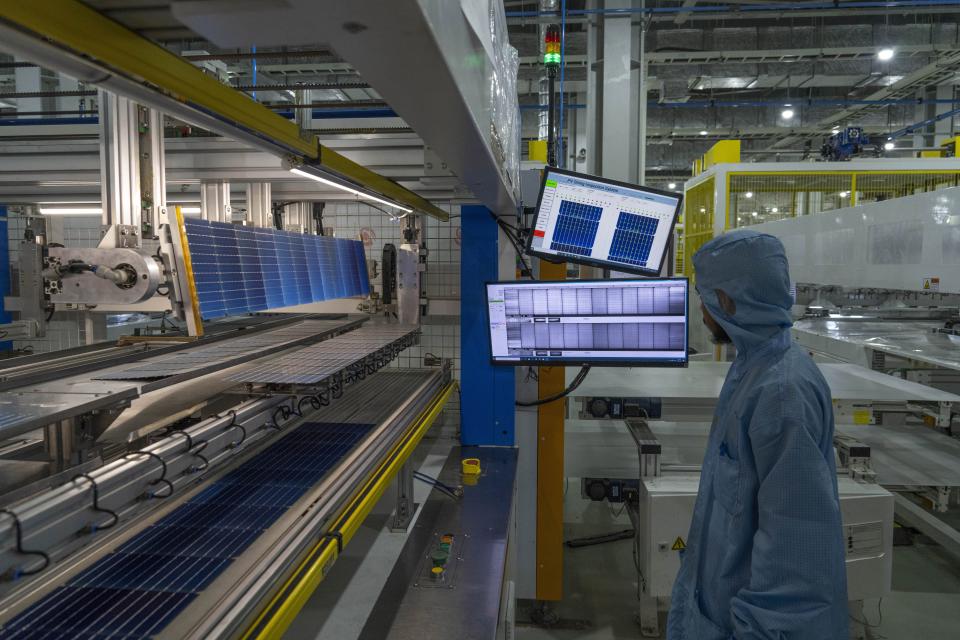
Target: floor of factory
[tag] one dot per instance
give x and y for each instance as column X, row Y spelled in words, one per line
column 925, row 602
column 599, row 581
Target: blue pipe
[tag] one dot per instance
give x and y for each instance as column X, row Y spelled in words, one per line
column 924, row 123
column 13, row 122
column 561, row 159
column 253, row 50
column 331, row 113
column 756, row 8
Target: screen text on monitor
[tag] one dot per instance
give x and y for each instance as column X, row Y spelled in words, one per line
column 592, row 220
column 630, row 322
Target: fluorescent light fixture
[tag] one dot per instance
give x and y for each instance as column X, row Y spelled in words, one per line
column 748, row 194
column 787, row 114
column 190, row 210
column 672, row 185
column 71, row 211
column 754, row 214
column 889, row 145
column 885, row 54
column 359, row 194
column 775, row 210
column 704, row 132
column 844, row 194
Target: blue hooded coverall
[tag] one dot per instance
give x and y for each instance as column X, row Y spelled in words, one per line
column 765, row 554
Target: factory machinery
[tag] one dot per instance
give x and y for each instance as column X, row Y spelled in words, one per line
column 640, row 438
column 218, row 523
column 201, row 483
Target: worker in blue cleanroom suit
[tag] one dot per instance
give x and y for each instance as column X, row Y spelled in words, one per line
column 765, row 553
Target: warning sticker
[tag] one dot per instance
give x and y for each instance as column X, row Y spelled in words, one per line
column 862, row 416
column 678, row 544
column 931, row 284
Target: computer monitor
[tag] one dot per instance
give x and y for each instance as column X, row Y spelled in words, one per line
column 605, row 223
column 620, row 322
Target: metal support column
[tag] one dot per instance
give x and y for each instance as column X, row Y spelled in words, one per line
column 486, row 409
column 27, row 79
column 119, row 161
column 259, row 204
column 153, row 182
column 405, row 507
column 619, row 124
column 642, row 102
column 215, row 201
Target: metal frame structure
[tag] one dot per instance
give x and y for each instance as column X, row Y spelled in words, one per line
column 69, row 36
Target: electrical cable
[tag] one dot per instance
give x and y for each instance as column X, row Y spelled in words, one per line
column 517, row 244
column 436, row 486
column 437, row 482
column 18, row 531
column 590, row 541
column 96, row 504
column 163, row 475
column 584, row 370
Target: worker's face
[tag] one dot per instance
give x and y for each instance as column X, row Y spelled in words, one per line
column 718, row 333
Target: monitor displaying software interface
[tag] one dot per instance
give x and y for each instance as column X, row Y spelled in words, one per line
column 592, row 220
column 635, row 322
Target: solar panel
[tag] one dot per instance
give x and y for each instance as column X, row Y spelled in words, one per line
column 139, row 588
column 223, row 353
column 240, row 269
column 313, row 364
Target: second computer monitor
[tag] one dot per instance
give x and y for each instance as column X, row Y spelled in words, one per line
column 640, row 322
column 591, row 220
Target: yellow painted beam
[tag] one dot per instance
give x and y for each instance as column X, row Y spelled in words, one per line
column 277, row 616
column 79, row 29
column 550, row 475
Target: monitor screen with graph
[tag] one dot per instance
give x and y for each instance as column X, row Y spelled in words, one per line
column 620, row 322
column 591, row 220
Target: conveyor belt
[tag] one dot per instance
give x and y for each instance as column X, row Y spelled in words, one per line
column 227, row 352
column 314, row 364
column 138, row 589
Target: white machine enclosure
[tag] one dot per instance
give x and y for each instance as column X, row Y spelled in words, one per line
column 666, row 509
column 910, row 243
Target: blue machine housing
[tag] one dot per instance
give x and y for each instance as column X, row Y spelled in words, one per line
column 844, row 144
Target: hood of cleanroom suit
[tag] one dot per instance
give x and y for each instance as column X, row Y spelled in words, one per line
column 752, row 269
column 765, row 555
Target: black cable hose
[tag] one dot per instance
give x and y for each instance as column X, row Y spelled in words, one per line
column 96, row 503
column 584, row 370
column 18, row 531
column 590, row 541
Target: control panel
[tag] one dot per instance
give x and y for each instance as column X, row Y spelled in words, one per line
column 441, row 561
column 609, row 489
column 601, row 408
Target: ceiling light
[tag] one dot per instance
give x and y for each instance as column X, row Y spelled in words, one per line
column 71, row 211
column 844, row 194
column 704, row 132
column 342, row 187
column 748, row 194
column 889, row 145
column 885, row 54
column 186, row 210
column 786, row 114
column 754, row 214
column 672, row 185
column 774, row 210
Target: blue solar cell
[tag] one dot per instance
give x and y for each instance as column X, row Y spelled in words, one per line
column 138, row 589
column 242, row 269
column 633, row 238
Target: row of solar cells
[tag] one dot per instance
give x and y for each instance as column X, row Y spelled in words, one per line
column 135, row 591
column 243, row 269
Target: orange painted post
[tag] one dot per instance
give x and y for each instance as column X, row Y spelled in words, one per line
column 550, row 470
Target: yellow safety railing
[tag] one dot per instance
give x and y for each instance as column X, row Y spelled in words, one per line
column 755, row 197
column 698, row 213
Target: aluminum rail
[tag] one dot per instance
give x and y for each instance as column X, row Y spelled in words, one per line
column 70, row 37
column 363, row 476
column 50, row 521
